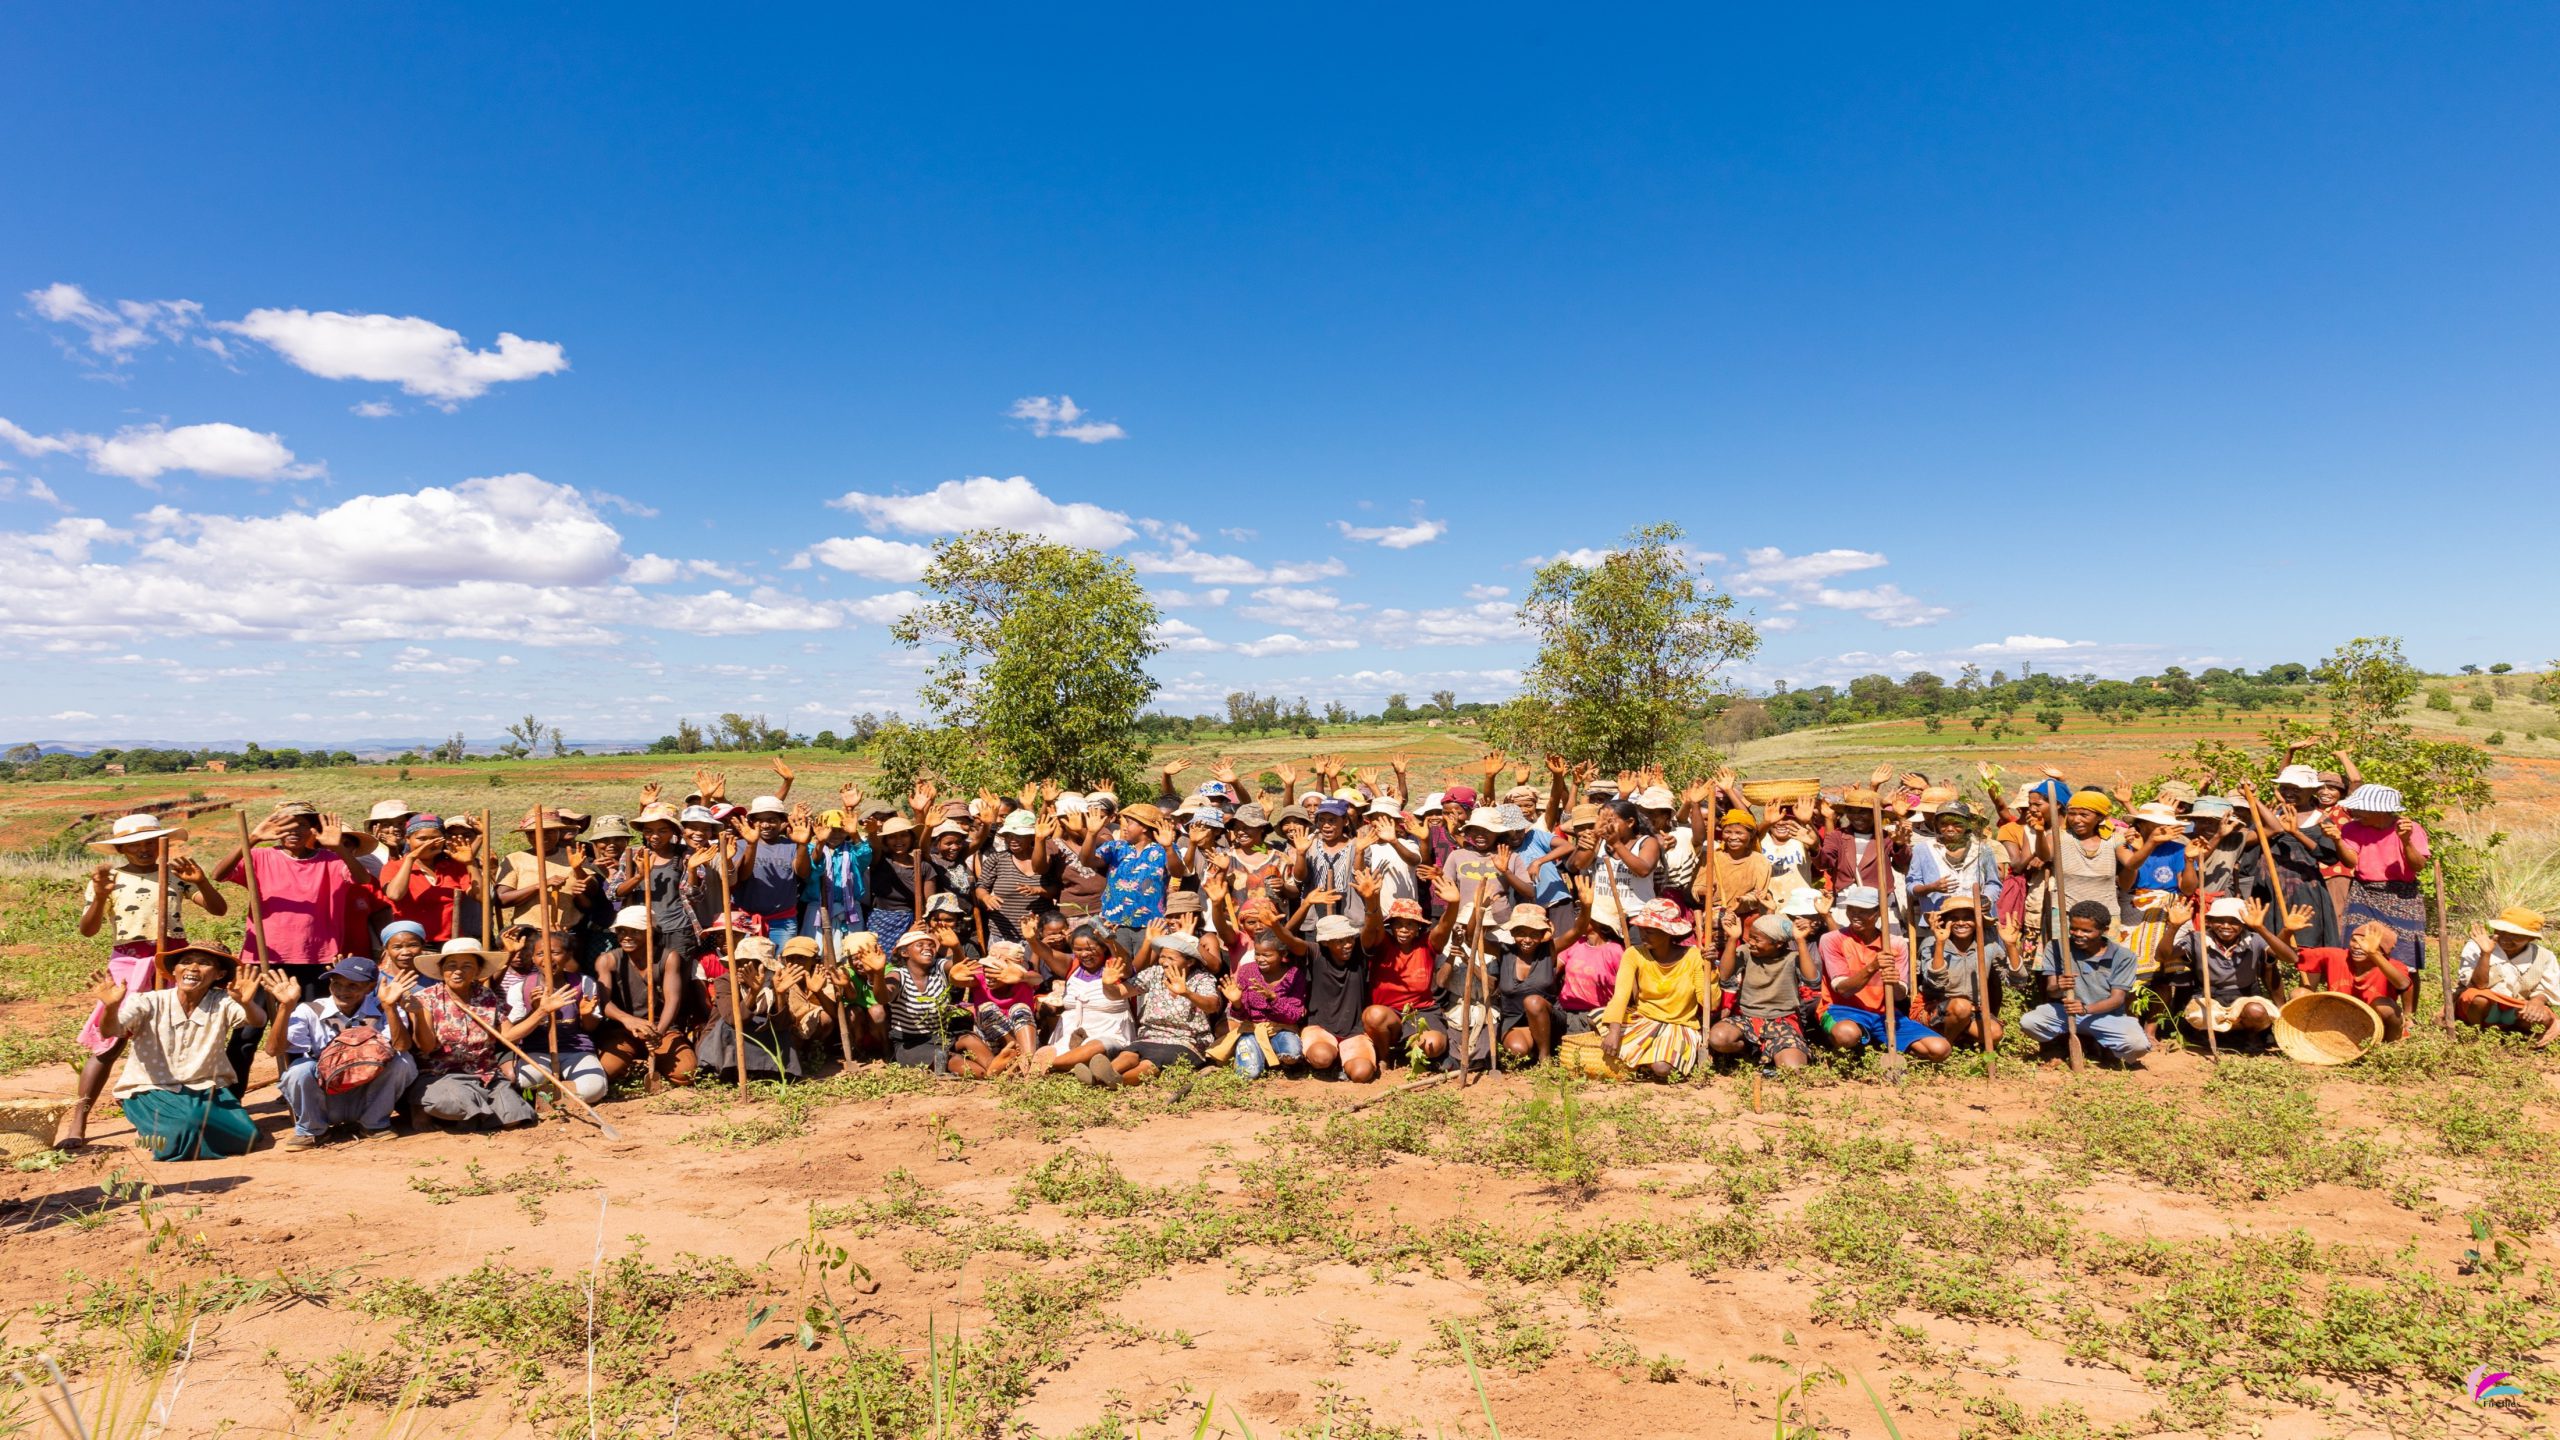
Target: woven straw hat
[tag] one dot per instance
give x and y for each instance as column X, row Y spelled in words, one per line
column 2319, row 1027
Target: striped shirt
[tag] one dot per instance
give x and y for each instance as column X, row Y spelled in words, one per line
column 916, row 1003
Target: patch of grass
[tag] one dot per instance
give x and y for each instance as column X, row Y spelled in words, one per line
column 509, row 1322
column 528, row 1185
column 1510, row 1335
column 40, row 933
column 2260, row 1133
column 1081, row 1182
column 779, row 1110
column 56, row 1043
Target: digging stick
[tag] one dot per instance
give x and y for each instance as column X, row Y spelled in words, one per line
column 257, row 903
column 649, row 958
column 1981, row 977
column 1891, row 1063
column 160, row 924
column 2275, row 883
column 2444, row 940
column 843, row 980
column 568, row 1097
column 542, row 898
column 729, row 958
column 488, row 881
column 2204, row 977
column 1715, row 919
column 2061, row 927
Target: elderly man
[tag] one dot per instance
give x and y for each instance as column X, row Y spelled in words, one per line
column 2511, row 981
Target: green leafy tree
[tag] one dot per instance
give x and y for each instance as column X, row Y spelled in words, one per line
column 1043, row 652
column 1628, row 655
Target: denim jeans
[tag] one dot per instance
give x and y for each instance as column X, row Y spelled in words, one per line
column 2121, row 1034
column 315, row 1109
column 1284, row 1043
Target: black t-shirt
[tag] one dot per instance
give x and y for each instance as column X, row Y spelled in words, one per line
column 1337, row 993
column 1542, row 974
column 893, row 882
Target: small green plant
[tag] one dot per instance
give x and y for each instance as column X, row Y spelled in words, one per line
column 822, row 1263
column 2499, row 1261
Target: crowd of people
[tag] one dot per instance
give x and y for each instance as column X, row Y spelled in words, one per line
column 417, row 968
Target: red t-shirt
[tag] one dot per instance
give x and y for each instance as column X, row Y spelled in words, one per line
column 432, row 889
column 2327, row 964
column 1400, row 979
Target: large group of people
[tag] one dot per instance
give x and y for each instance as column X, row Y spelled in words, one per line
column 416, row 969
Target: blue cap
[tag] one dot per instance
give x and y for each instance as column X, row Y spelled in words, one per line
column 353, row 967
column 1333, row 807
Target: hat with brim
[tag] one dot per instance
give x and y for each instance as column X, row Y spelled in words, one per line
column 354, row 969
column 2156, row 813
column 944, row 903
column 1336, row 927
column 1145, row 814
column 1020, row 822
column 207, row 953
column 547, row 819
column 1957, row 905
column 1656, row 798
column 2229, row 907
column 1250, row 817
column 1484, row 818
column 2299, row 777
column 389, row 810
column 1531, row 917
column 767, row 805
column 2373, row 799
column 897, row 825
column 917, row 937
column 1861, row 897
column 950, row 827
column 134, row 830
column 2517, row 920
column 431, row 964
column 610, row 827
column 1661, row 916
column 698, row 815
column 1182, row 902
column 658, row 813
column 801, row 947
column 631, row 917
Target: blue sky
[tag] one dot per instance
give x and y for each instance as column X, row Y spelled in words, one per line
column 2107, row 338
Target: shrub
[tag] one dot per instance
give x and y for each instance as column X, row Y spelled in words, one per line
column 2440, row 699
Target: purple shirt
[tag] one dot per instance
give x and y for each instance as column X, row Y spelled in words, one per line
column 1281, row 1002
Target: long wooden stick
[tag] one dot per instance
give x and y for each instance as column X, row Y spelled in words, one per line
column 649, row 958
column 1467, row 994
column 1982, row 930
column 827, row 944
column 1884, row 924
column 2444, row 938
column 2275, row 883
column 257, row 903
column 729, row 958
column 568, row 1097
column 2062, row 925
column 488, row 882
column 2204, row 975
column 160, row 923
column 1715, row 919
column 542, row 898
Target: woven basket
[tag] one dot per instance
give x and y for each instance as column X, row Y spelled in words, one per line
column 1780, row 792
column 2319, row 1027
column 1581, row 1055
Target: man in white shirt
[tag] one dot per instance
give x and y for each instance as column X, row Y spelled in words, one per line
column 2510, row 981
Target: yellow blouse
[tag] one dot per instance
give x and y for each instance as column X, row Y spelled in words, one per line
column 1673, row 994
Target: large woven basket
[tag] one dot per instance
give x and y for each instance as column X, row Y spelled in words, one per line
column 1781, row 792
column 2320, row 1027
column 1581, row 1055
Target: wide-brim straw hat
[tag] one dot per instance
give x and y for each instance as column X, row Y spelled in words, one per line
column 2322, row 1027
column 430, row 963
column 135, row 829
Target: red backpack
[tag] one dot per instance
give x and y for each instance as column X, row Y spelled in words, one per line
column 353, row 1059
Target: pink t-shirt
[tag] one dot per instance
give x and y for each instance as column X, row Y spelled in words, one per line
column 312, row 905
column 1590, row 973
column 2379, row 854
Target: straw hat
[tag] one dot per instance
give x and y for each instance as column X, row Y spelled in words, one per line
column 2153, row 813
column 2517, row 920
column 431, row 963
column 2320, row 1027
column 610, row 827
column 134, row 829
column 389, row 810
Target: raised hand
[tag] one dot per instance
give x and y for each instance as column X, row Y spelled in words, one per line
column 332, row 834
column 394, row 989
column 849, row 797
column 1879, row 775
column 1225, row 774
column 716, row 791
column 920, row 800
column 1492, row 765
column 1232, row 991
column 649, row 794
column 803, row 825
column 107, row 989
column 2298, row 918
column 1368, row 883
column 782, row 770
column 1557, row 767
column 1445, row 888
column 2181, row 913
column 2256, row 914
column 1288, row 775
column 182, row 866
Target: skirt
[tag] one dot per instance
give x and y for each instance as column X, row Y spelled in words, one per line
column 130, row 965
column 189, row 1124
column 1649, row 1042
column 889, row 925
column 2398, row 904
column 769, row 1051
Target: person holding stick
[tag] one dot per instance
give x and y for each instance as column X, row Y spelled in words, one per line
column 310, row 903
column 542, row 988
column 461, row 1064
column 145, row 898
column 1958, row 954
column 1867, row 985
column 2233, row 954
column 2089, row 991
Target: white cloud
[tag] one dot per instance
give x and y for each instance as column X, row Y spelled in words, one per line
column 1063, row 418
column 1193, row 599
column 1770, row 566
column 654, row 569
column 884, row 609
column 1206, row 568
column 419, row 660
column 72, row 715
column 1181, row 636
column 1285, row 644
column 1887, row 605
column 12, row 486
column 374, row 409
column 760, row 611
column 129, row 325
column 1484, row 623
column 421, row 357
column 504, row 528
column 1581, row 559
column 1395, row 537
column 144, row 453
column 2025, row 645
column 868, row 556
column 982, row 501
column 607, row 500
column 1488, row 592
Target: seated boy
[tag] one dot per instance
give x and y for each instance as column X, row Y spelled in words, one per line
column 2098, row 1001
column 1864, row 971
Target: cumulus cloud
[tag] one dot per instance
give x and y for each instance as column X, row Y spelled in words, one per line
column 868, row 556
column 982, row 501
column 654, row 569
column 1488, row 592
column 1768, row 566
column 1581, row 559
column 12, row 486
column 1296, row 605
column 1887, row 605
column 418, row 355
column 116, row 331
column 1769, row 572
column 144, row 453
column 1484, row 623
column 1181, row 635
column 1063, row 418
column 1394, row 537
column 1285, row 644
column 1203, row 567
column 373, row 409
column 1208, row 599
